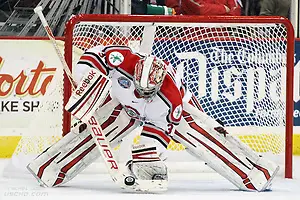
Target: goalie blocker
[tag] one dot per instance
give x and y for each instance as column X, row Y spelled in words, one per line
column 202, row 136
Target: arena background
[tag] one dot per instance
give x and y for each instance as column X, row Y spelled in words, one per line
column 37, row 54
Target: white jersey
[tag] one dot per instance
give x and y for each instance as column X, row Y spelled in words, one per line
column 118, row 62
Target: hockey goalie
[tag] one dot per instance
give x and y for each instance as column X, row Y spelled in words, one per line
column 139, row 90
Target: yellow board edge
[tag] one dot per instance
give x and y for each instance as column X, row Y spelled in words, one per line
column 8, row 145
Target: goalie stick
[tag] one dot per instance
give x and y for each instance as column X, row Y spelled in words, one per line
column 123, row 180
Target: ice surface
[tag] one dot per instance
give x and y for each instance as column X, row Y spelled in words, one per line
column 200, row 186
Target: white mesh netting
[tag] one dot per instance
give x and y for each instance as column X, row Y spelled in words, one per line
column 236, row 70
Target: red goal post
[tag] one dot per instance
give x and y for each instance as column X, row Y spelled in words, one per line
column 249, row 62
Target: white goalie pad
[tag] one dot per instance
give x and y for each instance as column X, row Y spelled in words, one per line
column 89, row 94
column 65, row 159
column 224, row 153
column 62, row 161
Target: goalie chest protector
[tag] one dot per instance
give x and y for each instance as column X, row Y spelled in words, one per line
column 164, row 108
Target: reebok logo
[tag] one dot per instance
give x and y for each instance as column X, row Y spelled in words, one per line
column 85, row 83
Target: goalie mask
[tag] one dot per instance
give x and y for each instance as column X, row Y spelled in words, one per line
column 149, row 75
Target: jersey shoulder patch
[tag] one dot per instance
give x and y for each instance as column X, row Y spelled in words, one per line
column 172, row 97
column 122, row 58
column 115, row 55
column 115, row 58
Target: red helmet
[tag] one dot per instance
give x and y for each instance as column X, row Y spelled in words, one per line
column 149, row 75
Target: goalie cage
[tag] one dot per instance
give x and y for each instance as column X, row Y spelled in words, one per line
column 239, row 68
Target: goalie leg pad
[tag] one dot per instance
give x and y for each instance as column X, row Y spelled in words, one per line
column 62, row 161
column 114, row 121
column 226, row 155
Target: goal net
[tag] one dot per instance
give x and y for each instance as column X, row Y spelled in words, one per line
column 235, row 66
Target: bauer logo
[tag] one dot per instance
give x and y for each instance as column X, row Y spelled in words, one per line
column 101, row 140
column 85, row 82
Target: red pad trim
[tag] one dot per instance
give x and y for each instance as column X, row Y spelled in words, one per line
column 195, row 126
column 73, row 162
column 157, row 132
column 88, row 138
column 243, row 175
column 43, row 167
column 94, row 61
